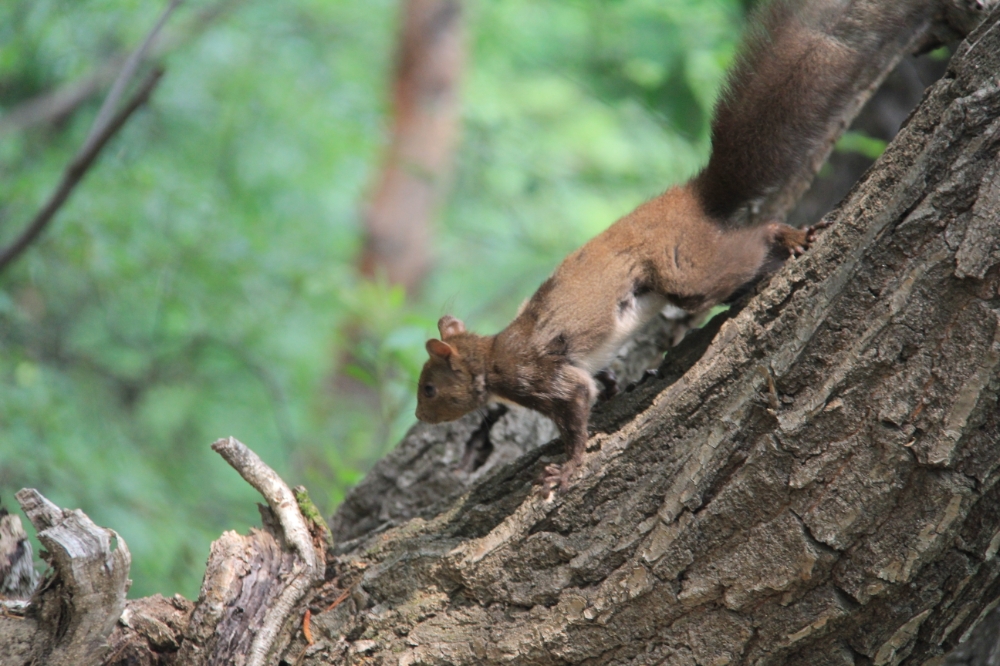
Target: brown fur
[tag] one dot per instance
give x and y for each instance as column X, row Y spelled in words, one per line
column 689, row 246
column 792, row 75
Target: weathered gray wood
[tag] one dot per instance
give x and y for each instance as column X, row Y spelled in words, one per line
column 251, row 587
column 252, row 583
column 245, row 577
column 78, row 604
column 150, row 631
column 18, row 580
column 18, row 577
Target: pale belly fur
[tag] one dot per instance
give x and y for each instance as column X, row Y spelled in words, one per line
column 628, row 320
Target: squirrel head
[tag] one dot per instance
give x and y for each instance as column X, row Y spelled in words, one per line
column 452, row 383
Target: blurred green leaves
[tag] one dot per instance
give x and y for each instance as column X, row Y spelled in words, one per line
column 859, row 142
column 196, row 284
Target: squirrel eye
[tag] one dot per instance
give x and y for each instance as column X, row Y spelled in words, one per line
column 429, row 390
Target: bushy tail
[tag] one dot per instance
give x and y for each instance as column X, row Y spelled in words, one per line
column 792, row 78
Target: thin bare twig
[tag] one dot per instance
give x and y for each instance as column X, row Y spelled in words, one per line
column 279, row 496
column 105, row 125
column 55, row 104
column 339, row 600
column 128, row 70
column 75, row 171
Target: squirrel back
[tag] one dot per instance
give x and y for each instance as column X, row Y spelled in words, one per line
column 791, row 78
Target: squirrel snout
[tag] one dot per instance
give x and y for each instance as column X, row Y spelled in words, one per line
column 425, row 417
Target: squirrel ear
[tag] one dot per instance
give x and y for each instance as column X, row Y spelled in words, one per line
column 449, row 326
column 440, row 349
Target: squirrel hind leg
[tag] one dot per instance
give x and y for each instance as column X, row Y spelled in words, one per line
column 556, row 478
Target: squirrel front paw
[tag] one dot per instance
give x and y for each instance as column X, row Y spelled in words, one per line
column 813, row 229
column 556, row 478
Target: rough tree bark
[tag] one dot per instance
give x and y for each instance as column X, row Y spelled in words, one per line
column 815, row 485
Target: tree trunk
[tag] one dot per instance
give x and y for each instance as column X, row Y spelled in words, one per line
column 425, row 126
column 818, row 487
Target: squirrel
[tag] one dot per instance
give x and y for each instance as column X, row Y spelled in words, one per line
column 694, row 246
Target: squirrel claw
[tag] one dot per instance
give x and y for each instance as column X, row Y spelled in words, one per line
column 813, row 229
column 797, row 241
column 555, row 477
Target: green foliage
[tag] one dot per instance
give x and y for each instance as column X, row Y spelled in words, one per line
column 859, row 142
column 940, row 53
column 195, row 284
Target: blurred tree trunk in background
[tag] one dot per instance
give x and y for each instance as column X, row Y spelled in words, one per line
column 410, row 186
column 418, row 163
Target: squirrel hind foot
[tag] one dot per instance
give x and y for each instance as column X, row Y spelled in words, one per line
column 784, row 237
column 795, row 241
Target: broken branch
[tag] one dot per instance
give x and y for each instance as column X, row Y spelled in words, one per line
column 307, row 572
